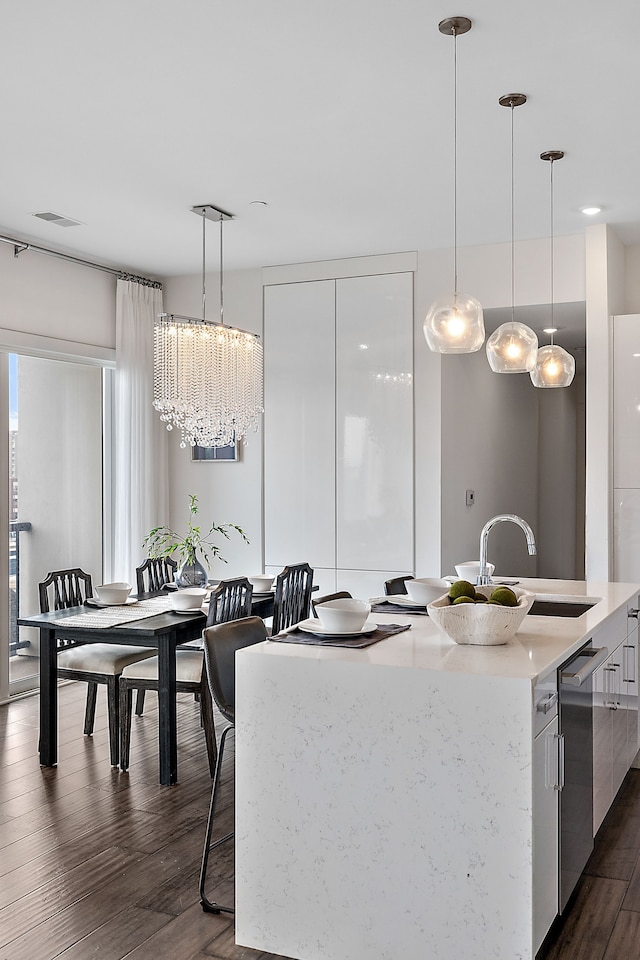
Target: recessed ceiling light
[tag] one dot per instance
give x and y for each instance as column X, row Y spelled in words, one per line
column 590, row 211
column 549, row 329
column 257, row 203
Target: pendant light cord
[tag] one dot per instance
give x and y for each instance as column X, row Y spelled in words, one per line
column 455, row 162
column 552, row 257
column 513, row 255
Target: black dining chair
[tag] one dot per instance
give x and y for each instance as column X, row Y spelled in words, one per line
column 292, row 600
column 230, row 600
column 92, row 662
column 153, row 575
column 221, row 643
column 190, row 678
column 340, row 595
column 396, row 586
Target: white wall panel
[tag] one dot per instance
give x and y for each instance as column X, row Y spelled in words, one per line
column 626, row 448
column 626, row 535
column 374, row 422
column 626, row 401
column 365, row 584
column 299, row 424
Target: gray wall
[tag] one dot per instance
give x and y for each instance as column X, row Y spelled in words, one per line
column 489, row 445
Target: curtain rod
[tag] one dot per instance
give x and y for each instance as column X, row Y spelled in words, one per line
column 19, row 246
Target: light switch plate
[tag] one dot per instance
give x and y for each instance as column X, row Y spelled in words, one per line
column 471, row 497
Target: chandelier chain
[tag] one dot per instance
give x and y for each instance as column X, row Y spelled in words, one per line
column 221, row 275
column 204, row 268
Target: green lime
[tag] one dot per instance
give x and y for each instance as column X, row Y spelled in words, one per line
column 505, row 597
column 480, row 598
column 463, row 599
column 462, row 588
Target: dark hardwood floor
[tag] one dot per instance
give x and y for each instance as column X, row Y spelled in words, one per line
column 98, row 864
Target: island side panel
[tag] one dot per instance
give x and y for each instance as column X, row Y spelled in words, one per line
column 381, row 812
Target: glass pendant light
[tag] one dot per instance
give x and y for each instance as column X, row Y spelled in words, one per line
column 454, row 322
column 513, row 347
column 554, row 366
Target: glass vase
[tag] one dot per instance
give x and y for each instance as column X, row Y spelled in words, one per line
column 192, row 574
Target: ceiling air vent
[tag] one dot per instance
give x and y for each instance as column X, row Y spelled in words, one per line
column 58, row 220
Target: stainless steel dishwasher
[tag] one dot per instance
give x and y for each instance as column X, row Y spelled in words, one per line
column 576, row 764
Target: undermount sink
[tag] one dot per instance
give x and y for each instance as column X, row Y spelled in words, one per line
column 546, row 605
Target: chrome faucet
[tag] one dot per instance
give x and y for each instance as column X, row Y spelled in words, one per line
column 483, row 576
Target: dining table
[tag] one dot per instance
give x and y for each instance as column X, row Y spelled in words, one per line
column 165, row 630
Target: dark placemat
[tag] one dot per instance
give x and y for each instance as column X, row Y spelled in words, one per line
column 366, row 640
column 387, row 606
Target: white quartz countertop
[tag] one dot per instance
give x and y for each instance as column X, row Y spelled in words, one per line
column 540, row 645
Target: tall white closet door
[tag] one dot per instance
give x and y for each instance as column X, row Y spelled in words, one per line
column 626, row 448
column 299, row 424
column 374, row 422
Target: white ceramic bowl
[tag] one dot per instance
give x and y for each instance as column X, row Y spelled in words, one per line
column 470, row 569
column 261, row 583
column 486, row 624
column 425, row 589
column 191, row 598
column 112, row 592
column 342, row 615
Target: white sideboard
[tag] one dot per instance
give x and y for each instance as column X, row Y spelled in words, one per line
column 338, row 482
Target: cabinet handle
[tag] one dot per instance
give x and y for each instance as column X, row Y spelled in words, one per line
column 617, row 691
column 629, row 672
column 544, row 706
column 559, row 784
column 633, row 613
column 609, row 689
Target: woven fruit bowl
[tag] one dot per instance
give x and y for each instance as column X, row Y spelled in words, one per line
column 486, row 624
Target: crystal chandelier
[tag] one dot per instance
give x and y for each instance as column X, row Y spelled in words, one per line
column 454, row 322
column 513, row 347
column 208, row 377
column 555, row 367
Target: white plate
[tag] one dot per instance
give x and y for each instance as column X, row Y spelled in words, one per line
column 190, row 610
column 314, row 626
column 92, row 601
column 403, row 601
column 264, row 593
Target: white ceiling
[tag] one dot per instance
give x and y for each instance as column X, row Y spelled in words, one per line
column 338, row 114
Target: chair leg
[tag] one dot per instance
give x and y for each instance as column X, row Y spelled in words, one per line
column 207, row 723
column 125, row 723
column 207, row 905
column 139, row 701
column 90, row 709
column 113, row 706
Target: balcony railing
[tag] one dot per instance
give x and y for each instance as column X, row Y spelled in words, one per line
column 16, row 527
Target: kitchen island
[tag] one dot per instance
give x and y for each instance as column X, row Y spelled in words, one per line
column 385, row 796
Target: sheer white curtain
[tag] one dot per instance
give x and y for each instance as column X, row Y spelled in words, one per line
column 140, row 439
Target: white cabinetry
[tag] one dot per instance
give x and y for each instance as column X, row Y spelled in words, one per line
column 615, row 712
column 338, row 484
column 545, row 830
column 630, row 688
column 626, row 449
